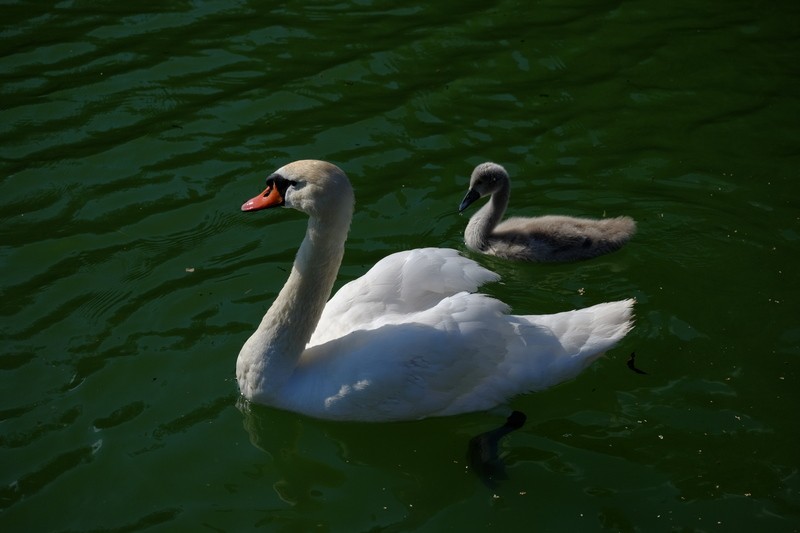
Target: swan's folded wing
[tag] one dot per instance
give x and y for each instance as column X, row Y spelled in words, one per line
column 399, row 284
column 444, row 360
column 463, row 354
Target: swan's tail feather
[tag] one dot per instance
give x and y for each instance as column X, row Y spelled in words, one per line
column 571, row 341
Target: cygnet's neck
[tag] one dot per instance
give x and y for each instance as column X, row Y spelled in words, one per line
column 482, row 223
column 273, row 350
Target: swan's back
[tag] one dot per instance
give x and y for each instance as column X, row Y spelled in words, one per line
column 399, row 284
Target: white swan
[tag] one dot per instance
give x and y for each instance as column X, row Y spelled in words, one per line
column 548, row 238
column 407, row 340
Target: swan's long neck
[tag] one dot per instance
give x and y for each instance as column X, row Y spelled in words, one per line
column 271, row 354
column 484, row 221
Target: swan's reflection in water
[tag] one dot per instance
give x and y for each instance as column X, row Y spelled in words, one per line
column 314, row 460
column 281, row 435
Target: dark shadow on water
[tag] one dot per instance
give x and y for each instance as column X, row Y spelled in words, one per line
column 310, row 457
column 483, row 456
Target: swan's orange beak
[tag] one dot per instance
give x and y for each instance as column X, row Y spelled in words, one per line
column 271, row 197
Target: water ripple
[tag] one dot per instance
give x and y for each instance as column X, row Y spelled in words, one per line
column 32, row 482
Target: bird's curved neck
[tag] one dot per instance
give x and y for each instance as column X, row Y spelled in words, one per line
column 273, row 351
column 484, row 221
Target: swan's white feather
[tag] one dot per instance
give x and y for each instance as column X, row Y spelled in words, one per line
column 463, row 354
column 399, row 284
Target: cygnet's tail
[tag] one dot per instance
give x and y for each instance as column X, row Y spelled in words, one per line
column 615, row 232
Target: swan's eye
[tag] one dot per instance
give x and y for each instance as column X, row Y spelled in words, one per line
column 276, row 180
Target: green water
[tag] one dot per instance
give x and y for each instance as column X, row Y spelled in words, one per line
column 131, row 134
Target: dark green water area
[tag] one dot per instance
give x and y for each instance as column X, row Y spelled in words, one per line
column 130, row 134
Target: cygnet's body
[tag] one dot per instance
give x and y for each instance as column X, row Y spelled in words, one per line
column 550, row 238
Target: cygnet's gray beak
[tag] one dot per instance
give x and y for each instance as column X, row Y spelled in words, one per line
column 471, row 196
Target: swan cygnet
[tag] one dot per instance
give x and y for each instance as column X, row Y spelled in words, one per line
column 550, row 238
column 410, row 338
